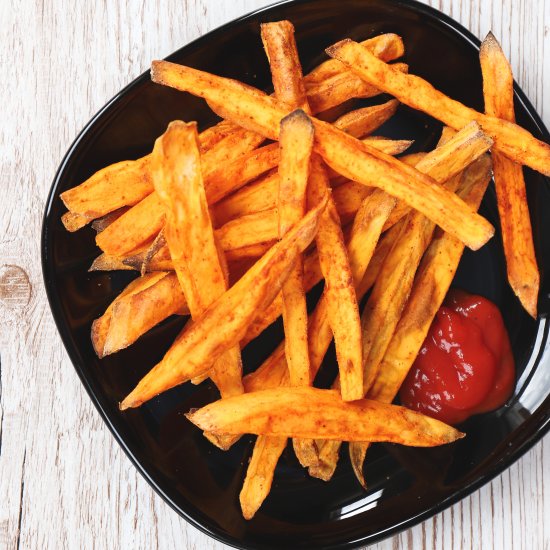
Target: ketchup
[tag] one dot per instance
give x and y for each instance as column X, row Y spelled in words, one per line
column 465, row 365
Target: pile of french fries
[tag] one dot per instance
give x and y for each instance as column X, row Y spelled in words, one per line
column 234, row 231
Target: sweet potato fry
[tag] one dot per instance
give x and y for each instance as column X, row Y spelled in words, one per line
column 199, row 345
column 258, row 227
column 340, row 297
column 432, row 282
column 95, row 197
column 515, row 223
column 295, row 145
column 286, row 70
column 134, row 229
column 340, row 87
column 262, row 194
column 342, row 152
column 391, row 290
column 201, row 270
column 510, row 139
column 143, row 304
column 313, row 413
column 362, row 122
column 295, row 142
column 142, row 222
column 259, row 474
column 387, row 47
column 108, row 187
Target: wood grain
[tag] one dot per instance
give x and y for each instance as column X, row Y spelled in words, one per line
column 64, row 482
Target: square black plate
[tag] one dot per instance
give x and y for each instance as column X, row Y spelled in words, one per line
column 200, row 482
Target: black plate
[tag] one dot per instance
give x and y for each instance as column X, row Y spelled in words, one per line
column 202, row 483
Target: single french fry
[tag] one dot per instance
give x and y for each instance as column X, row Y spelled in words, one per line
column 251, row 229
column 307, row 412
column 134, row 229
column 199, row 345
column 338, row 88
column 259, row 474
column 295, row 145
column 295, row 142
column 92, row 198
column 345, row 154
column 510, row 139
column 100, row 327
column 143, row 304
column 433, row 279
column 387, row 47
column 362, row 122
column 515, row 223
column 342, row 306
column 176, row 173
column 286, row 70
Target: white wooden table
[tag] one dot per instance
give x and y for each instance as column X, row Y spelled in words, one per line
column 64, row 482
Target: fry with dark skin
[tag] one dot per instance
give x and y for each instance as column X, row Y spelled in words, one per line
column 513, row 210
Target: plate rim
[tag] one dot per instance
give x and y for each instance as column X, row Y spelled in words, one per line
column 98, row 401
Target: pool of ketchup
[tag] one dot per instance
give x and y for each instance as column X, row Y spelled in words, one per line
column 465, row 365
